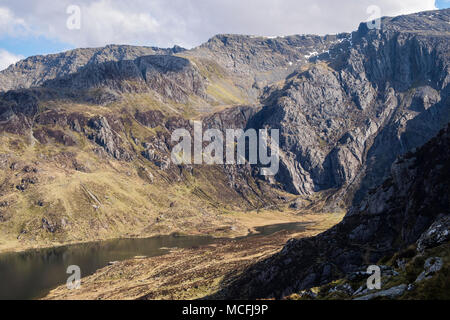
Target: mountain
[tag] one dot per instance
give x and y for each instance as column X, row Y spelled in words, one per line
column 34, row 71
column 374, row 96
column 257, row 62
column 411, row 206
column 85, row 145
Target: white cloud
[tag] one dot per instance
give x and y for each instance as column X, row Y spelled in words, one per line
column 11, row 25
column 190, row 22
column 7, row 59
column 399, row 7
column 105, row 21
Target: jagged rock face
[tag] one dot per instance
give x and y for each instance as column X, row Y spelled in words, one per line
column 247, row 54
column 108, row 138
column 375, row 95
column 255, row 62
column 436, row 235
column 171, row 77
column 17, row 109
column 34, row 71
column 392, row 217
column 22, row 102
column 158, row 151
column 312, row 112
column 234, row 118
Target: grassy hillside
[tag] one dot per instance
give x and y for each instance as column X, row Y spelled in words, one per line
column 60, row 184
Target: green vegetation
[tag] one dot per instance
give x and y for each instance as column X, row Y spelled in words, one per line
column 59, row 193
column 435, row 288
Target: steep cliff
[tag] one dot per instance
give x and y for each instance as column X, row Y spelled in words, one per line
column 373, row 96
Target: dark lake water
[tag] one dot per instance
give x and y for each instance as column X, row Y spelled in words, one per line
column 32, row 274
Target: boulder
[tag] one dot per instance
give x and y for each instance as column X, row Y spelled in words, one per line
column 391, row 293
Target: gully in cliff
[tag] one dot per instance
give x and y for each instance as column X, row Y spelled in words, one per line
column 256, row 149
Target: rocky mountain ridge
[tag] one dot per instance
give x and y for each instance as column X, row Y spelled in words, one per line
column 36, row 70
column 371, row 98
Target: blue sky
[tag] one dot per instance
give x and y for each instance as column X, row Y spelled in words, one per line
column 33, row 45
column 443, row 4
column 40, row 27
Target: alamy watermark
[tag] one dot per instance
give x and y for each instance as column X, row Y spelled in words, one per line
column 74, row 281
column 73, row 22
column 374, row 20
column 374, row 281
column 232, row 149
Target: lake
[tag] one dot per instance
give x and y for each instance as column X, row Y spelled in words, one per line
column 32, row 274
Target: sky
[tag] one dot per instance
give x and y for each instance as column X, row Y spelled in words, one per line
column 47, row 26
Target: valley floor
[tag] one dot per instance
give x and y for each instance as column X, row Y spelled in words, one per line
column 230, row 225
column 191, row 273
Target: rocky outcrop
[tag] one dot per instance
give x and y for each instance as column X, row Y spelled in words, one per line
column 256, row 62
column 108, row 138
column 391, row 293
column 432, row 266
column 158, row 151
column 437, row 234
column 172, row 77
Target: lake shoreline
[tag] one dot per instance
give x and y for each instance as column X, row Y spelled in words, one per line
column 248, row 222
column 32, row 274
